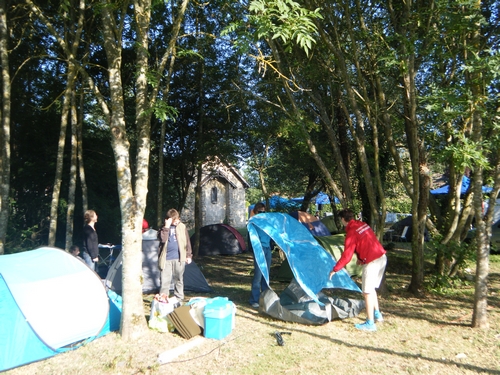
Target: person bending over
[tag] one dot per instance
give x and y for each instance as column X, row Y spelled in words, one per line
column 361, row 239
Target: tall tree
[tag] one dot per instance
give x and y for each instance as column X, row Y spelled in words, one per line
column 70, row 211
column 5, row 128
column 73, row 20
column 477, row 76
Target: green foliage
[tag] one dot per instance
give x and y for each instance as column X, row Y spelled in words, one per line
column 21, row 238
column 445, row 285
column 253, row 195
column 286, row 20
column 458, row 254
column 466, row 153
column 163, row 111
column 401, row 204
column 183, row 52
column 454, row 250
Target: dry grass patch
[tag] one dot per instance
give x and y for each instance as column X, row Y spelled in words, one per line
column 426, row 335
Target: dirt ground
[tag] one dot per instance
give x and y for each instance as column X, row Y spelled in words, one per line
column 426, row 335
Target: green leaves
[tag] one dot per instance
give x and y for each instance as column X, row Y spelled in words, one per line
column 164, row 112
column 285, row 20
column 467, row 153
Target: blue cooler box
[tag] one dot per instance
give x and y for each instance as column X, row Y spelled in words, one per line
column 218, row 315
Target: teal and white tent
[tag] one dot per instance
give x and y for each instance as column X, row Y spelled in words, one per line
column 49, row 302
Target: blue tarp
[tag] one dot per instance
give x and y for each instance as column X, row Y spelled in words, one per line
column 309, row 262
column 278, row 203
column 321, row 198
column 464, row 188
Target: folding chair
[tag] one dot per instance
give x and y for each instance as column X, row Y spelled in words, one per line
column 106, row 254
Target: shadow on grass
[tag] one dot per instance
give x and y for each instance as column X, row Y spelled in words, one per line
column 231, row 276
column 418, row 357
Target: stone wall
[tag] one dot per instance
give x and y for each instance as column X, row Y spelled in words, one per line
column 222, row 199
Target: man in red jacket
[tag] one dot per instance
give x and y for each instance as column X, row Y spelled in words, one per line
column 361, row 239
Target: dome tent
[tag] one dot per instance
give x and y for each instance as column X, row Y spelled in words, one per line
column 194, row 280
column 41, row 291
column 220, row 239
column 312, row 223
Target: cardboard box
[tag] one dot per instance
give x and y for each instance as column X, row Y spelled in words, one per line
column 219, row 315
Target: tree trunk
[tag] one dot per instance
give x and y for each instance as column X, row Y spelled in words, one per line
column 5, row 129
column 415, row 148
column 197, row 210
column 310, row 144
column 56, row 188
column 405, row 26
column 72, row 32
column 170, row 53
column 338, row 152
column 79, row 154
column 133, row 322
column 70, row 212
column 480, row 310
column 159, row 203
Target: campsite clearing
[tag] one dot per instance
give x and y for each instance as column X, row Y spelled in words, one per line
column 426, row 335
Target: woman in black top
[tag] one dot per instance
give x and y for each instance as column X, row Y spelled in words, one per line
column 90, row 241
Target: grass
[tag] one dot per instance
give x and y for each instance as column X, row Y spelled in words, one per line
column 430, row 334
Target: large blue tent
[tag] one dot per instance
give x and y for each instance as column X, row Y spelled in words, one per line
column 309, row 261
column 445, row 189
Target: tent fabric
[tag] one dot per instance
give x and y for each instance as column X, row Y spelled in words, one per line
column 293, row 305
column 26, row 346
column 44, row 292
column 238, row 236
column 335, row 246
column 329, row 222
column 115, row 313
column 310, row 263
column 321, row 198
column 312, row 223
column 463, row 188
column 220, row 239
column 398, row 228
column 194, row 280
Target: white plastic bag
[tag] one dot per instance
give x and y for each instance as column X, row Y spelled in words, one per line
column 158, row 317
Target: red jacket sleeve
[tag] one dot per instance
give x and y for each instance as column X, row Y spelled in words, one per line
column 349, row 247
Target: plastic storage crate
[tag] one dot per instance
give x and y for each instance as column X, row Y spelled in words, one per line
column 219, row 316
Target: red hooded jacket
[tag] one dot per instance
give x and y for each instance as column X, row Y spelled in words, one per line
column 360, row 239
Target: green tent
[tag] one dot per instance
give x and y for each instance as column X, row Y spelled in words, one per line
column 329, row 222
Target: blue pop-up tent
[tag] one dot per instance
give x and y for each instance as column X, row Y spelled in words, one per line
column 310, row 264
column 50, row 301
